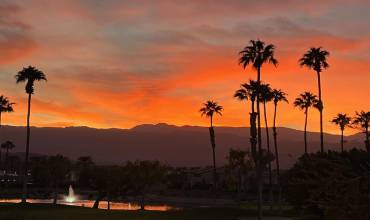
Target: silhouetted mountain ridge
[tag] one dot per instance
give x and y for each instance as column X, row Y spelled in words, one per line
column 176, row 145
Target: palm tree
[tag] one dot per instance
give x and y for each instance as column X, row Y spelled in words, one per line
column 5, row 106
column 342, row 120
column 362, row 120
column 256, row 54
column 208, row 109
column 28, row 75
column 249, row 92
column 315, row 58
column 277, row 96
column 7, row 145
column 304, row 101
column 266, row 96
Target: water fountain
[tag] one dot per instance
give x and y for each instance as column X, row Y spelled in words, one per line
column 71, row 195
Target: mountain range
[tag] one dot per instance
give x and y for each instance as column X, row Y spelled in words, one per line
column 175, row 145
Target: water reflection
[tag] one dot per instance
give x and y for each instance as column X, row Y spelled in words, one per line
column 90, row 203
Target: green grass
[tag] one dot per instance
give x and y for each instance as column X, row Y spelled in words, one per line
column 60, row 212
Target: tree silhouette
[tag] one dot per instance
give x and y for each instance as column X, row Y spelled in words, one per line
column 277, row 96
column 29, row 75
column 5, row 106
column 256, row 54
column 362, row 120
column 239, row 162
column 8, row 146
column 267, row 96
column 59, row 166
column 209, row 109
column 304, row 101
column 315, row 58
column 342, row 120
column 249, row 92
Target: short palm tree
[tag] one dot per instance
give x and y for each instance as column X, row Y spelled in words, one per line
column 256, row 54
column 245, row 93
column 7, row 146
column 209, row 109
column 342, row 120
column 304, row 101
column 277, row 96
column 29, row 75
column 5, row 106
column 362, row 120
column 315, row 58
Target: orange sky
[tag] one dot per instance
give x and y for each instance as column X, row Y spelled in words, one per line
column 122, row 63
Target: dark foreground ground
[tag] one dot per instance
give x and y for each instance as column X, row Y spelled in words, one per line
column 60, row 212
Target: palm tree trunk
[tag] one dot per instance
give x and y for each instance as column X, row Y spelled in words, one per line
column 253, row 133
column 0, row 141
column 6, row 160
column 6, row 167
column 259, row 141
column 277, row 157
column 108, row 201
column 25, row 171
column 342, row 141
column 212, row 135
column 276, row 146
column 55, row 193
column 97, row 200
column 321, row 114
column 213, row 145
column 268, row 150
column 305, row 131
column 367, row 142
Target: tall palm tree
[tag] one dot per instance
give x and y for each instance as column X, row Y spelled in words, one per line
column 277, row 96
column 362, row 120
column 209, row 109
column 315, row 58
column 256, row 54
column 7, row 145
column 29, row 75
column 5, row 106
column 266, row 96
column 304, row 101
column 342, row 120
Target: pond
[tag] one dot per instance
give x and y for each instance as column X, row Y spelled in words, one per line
column 102, row 204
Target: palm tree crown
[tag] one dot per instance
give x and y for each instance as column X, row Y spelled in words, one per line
column 8, row 145
column 362, row 119
column 342, row 120
column 279, row 96
column 315, row 58
column 265, row 93
column 5, row 104
column 247, row 91
column 306, row 100
column 256, row 54
column 29, row 75
column 211, row 107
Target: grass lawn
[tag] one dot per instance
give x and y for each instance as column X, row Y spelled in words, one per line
column 60, row 212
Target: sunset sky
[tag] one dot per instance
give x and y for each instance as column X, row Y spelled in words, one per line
column 122, row 63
